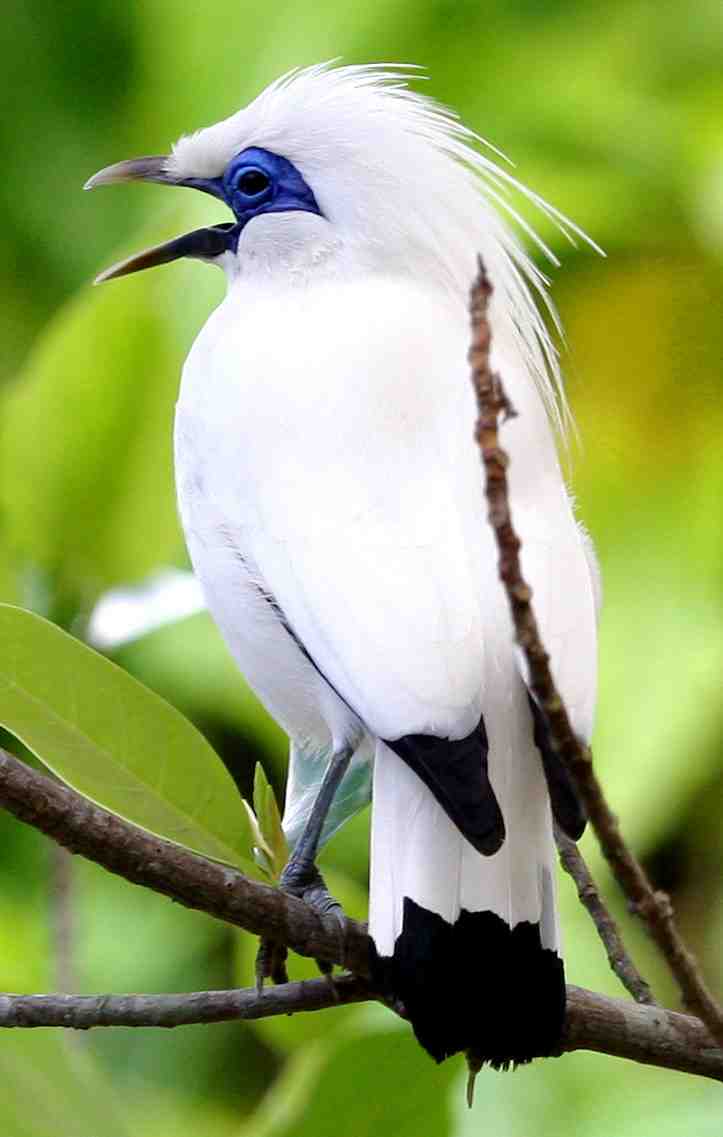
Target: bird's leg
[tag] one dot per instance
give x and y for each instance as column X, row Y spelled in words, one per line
column 301, row 877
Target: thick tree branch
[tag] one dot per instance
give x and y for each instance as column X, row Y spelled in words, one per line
column 588, row 894
column 651, row 1035
column 83, row 827
column 594, row 1022
column 654, row 907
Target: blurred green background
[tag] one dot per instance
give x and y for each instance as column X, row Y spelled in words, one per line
column 612, row 110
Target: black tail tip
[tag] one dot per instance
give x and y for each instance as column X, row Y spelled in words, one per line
column 476, row 986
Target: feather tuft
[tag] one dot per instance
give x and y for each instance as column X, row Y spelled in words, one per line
column 403, row 179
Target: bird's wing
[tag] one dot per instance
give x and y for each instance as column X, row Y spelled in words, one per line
column 355, row 489
column 559, row 563
column 393, row 626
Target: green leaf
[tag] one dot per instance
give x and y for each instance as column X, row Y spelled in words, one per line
column 269, row 821
column 8, row 579
column 86, row 470
column 262, row 853
column 115, row 741
column 213, row 690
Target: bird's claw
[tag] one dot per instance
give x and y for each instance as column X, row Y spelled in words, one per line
column 305, row 883
column 271, row 963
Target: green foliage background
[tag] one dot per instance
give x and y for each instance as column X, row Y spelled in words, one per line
column 612, row 111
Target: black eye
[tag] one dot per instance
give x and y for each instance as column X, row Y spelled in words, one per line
column 253, row 182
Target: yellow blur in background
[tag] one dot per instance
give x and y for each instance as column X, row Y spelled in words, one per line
column 611, row 111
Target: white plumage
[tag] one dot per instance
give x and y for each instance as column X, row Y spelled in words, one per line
column 332, row 496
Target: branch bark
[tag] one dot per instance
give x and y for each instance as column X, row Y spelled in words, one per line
column 83, row 1012
column 651, row 1035
column 83, row 827
column 594, row 1022
column 654, row 907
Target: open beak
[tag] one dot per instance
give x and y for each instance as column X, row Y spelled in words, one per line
column 202, row 244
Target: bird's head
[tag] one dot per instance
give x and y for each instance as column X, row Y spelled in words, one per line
column 254, row 182
column 343, row 158
column 347, row 165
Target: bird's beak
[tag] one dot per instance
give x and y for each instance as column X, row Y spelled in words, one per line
column 151, row 169
column 202, row 244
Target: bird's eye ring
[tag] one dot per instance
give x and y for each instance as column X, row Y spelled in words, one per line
column 252, row 182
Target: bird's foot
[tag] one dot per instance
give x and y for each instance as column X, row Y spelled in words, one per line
column 305, row 882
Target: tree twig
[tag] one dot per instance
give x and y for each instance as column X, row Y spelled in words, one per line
column 82, row 1012
column 594, row 1022
column 588, row 894
column 653, row 906
column 643, row 1034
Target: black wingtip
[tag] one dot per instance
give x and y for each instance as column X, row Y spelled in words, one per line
column 567, row 809
column 455, row 772
column 476, row 986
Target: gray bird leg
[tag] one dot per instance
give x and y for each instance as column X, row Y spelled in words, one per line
column 301, row 871
column 301, row 877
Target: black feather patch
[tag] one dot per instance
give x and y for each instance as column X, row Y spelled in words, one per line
column 475, row 986
column 567, row 809
column 455, row 771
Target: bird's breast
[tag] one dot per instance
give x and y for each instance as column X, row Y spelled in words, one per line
column 337, row 392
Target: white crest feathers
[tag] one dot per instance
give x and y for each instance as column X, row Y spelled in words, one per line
column 399, row 176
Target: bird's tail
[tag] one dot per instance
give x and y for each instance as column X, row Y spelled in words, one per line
column 469, row 944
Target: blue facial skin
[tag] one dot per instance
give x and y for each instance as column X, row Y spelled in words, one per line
column 255, row 182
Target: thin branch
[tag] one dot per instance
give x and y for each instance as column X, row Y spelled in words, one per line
column 575, row 865
column 594, row 1022
column 654, row 907
column 492, row 400
column 82, row 1012
column 643, row 1034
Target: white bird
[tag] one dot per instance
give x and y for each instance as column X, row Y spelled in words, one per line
column 332, row 501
